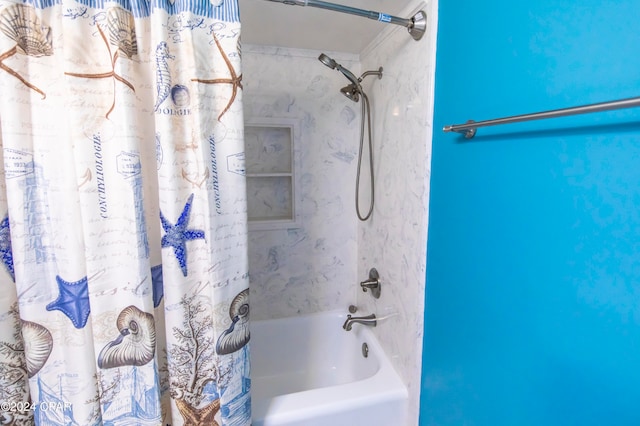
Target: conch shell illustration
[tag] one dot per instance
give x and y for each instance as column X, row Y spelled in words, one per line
column 136, row 344
column 37, row 346
column 237, row 335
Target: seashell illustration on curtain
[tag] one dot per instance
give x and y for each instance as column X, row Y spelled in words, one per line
column 237, row 335
column 122, row 33
column 136, row 343
column 21, row 24
column 38, row 344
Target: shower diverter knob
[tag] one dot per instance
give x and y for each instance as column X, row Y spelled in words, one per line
column 373, row 283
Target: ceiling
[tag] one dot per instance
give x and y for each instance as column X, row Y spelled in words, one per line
column 276, row 24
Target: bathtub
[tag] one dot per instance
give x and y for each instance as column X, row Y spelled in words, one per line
column 308, row 371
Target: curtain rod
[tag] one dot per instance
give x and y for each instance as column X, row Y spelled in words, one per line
column 469, row 129
column 416, row 25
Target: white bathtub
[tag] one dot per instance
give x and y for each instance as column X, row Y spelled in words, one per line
column 308, row 371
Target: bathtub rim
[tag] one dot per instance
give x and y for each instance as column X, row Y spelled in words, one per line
column 384, row 385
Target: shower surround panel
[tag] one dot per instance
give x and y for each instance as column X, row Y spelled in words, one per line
column 394, row 240
column 318, row 266
column 311, row 268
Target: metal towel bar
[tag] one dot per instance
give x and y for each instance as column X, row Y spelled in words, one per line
column 469, row 129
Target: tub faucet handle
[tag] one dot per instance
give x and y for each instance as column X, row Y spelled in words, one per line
column 373, row 283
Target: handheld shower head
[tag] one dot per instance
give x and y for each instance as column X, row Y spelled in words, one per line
column 336, row 66
column 327, row 61
column 354, row 91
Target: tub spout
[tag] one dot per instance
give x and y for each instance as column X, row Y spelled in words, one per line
column 369, row 320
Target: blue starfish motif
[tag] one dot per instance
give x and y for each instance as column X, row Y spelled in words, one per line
column 157, row 285
column 6, row 254
column 73, row 301
column 177, row 235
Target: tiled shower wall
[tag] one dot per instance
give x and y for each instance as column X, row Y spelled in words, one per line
column 311, row 268
column 394, row 239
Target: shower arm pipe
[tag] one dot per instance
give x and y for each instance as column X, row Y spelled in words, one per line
column 416, row 25
column 377, row 72
column 469, row 128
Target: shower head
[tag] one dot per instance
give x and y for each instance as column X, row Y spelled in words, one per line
column 327, row 61
column 351, row 92
column 334, row 65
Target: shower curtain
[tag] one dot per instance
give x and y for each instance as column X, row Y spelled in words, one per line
column 123, row 274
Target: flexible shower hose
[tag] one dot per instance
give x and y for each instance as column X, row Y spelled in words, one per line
column 367, row 109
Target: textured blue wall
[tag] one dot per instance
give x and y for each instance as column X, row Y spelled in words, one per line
column 533, row 277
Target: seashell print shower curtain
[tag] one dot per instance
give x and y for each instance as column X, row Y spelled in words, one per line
column 123, row 273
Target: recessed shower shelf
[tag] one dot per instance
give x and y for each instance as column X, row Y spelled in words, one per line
column 270, row 171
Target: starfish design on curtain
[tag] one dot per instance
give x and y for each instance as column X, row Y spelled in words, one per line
column 6, row 253
column 73, row 301
column 235, row 81
column 199, row 416
column 110, row 74
column 177, row 235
